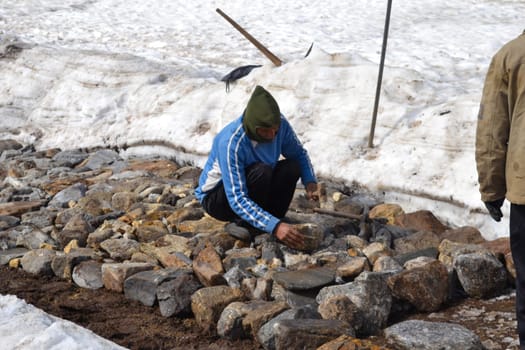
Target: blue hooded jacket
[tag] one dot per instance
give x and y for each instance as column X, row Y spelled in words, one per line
column 233, row 151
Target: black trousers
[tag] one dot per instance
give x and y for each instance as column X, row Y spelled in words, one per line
column 271, row 189
column 517, row 247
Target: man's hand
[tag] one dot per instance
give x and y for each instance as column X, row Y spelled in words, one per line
column 289, row 235
column 312, row 192
column 494, row 208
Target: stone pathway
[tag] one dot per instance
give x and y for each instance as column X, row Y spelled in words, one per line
column 134, row 227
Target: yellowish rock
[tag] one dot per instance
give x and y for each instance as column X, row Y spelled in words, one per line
column 73, row 244
column 387, row 211
column 14, row 263
column 47, row 246
column 207, row 224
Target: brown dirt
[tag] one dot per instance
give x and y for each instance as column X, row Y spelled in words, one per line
column 110, row 315
column 135, row 326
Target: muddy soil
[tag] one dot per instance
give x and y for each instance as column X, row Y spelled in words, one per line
column 135, row 326
column 110, row 315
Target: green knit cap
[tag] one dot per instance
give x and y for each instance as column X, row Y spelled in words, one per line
column 262, row 111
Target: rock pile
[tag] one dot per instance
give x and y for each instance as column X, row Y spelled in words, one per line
column 133, row 226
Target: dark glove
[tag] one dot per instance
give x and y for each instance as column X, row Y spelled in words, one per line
column 494, row 208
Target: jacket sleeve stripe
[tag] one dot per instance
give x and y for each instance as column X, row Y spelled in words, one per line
column 238, row 187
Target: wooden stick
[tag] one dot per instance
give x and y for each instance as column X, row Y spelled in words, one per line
column 254, row 41
column 338, row 213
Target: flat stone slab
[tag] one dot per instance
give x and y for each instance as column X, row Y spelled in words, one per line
column 424, row 335
column 19, row 208
column 305, row 279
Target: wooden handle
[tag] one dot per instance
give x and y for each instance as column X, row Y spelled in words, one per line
column 254, row 41
column 338, row 213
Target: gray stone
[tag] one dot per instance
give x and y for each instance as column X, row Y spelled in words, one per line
column 71, row 193
column 304, row 279
column 230, row 324
column 28, row 194
column 100, row 219
column 294, row 299
column 208, row 303
column 38, row 261
column 423, row 335
column 386, row 263
column 313, row 236
column 65, row 236
column 416, row 242
column 424, row 287
column 96, row 204
column 256, row 318
column 418, row 262
column 9, row 145
column 243, row 258
column 340, row 307
column 257, row 288
column 78, row 222
column 142, row 286
column 375, row 250
column 123, row 200
column 88, row 274
column 429, row 252
column 31, row 237
column 114, row 274
column 129, row 175
column 42, row 218
column 269, row 251
column 58, row 171
column 352, row 268
column 297, row 261
column 7, row 221
column 482, row 275
column 239, row 320
column 266, row 334
column 235, row 276
column 150, row 230
column 8, row 255
column 120, row 248
column 8, row 238
column 63, row 216
column 174, row 296
column 69, row 158
column 101, row 158
column 63, row 264
column 334, row 255
column 370, row 293
column 98, row 236
column 307, row 333
column 10, row 153
column 448, row 250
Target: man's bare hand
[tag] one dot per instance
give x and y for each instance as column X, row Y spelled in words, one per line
column 312, row 192
column 289, row 235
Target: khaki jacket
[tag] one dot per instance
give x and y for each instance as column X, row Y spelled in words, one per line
column 500, row 135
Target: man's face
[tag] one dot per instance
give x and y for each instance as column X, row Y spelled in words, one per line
column 267, row 133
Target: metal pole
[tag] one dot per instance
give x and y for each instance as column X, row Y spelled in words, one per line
column 380, row 76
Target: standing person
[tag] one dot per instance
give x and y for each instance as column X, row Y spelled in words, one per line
column 245, row 181
column 500, row 153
